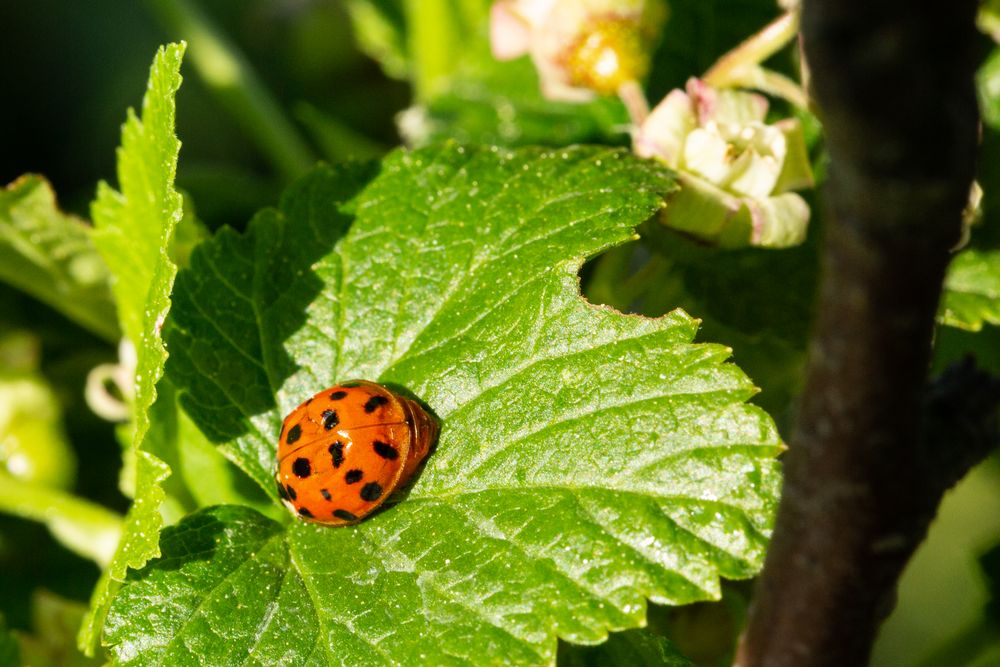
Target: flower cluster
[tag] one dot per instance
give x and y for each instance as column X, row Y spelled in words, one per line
column 581, row 48
column 736, row 171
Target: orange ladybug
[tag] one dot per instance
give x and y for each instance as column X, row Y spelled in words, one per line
column 346, row 449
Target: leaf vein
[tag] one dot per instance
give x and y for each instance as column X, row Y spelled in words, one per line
column 320, row 618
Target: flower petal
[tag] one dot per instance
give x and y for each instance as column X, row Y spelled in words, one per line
column 510, row 33
column 662, row 134
column 708, row 154
column 796, row 171
column 778, row 222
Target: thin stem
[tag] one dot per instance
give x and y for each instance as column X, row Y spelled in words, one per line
column 634, row 99
column 770, row 82
column 432, row 33
column 754, row 50
column 235, row 85
column 88, row 529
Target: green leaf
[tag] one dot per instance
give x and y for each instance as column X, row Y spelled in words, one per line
column 587, row 461
column 52, row 642
column 133, row 228
column 199, row 474
column 220, row 387
column 135, row 547
column 972, row 290
column 379, row 26
column 767, row 326
column 424, row 41
column 134, row 231
column 33, row 443
column 88, row 529
column 635, row 648
column 49, row 255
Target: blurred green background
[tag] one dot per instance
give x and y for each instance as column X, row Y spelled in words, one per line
column 71, row 69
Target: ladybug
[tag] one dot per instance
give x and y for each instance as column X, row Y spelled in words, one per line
column 346, row 449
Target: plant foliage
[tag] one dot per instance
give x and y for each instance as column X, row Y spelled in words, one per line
column 588, row 460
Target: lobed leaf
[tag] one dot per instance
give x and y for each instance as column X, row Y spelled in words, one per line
column 767, row 326
column 49, row 255
column 587, row 461
column 972, row 290
column 134, row 231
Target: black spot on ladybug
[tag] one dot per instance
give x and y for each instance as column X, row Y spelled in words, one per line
column 282, row 492
column 325, row 494
column 371, row 491
column 294, row 433
column 353, row 476
column 304, row 512
column 345, row 515
column 330, row 419
column 337, row 453
column 291, row 492
column 301, row 468
column 374, row 402
column 385, row 450
column 337, row 395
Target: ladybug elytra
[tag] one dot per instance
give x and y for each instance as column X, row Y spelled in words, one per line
column 342, row 452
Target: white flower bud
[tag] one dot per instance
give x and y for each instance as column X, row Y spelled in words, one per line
column 735, row 171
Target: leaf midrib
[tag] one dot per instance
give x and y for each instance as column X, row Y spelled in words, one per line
column 477, row 464
column 314, row 596
column 210, row 596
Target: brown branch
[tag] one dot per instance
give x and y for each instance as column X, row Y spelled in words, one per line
column 894, row 81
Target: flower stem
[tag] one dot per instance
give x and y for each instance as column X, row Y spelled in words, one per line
column 770, row 82
column 634, row 99
column 226, row 72
column 86, row 528
column 433, row 33
column 756, row 49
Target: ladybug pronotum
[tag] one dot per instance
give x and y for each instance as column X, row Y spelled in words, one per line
column 346, row 449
